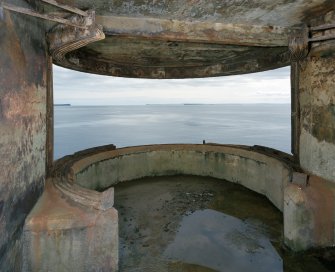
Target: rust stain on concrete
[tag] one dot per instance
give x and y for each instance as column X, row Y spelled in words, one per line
column 320, row 199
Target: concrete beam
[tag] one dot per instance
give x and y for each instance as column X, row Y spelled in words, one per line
column 194, row 31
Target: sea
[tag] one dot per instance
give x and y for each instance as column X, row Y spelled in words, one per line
column 80, row 127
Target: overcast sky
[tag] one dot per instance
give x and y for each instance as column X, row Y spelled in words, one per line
column 79, row 88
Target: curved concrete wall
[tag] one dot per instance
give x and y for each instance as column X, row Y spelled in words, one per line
column 259, row 172
column 79, row 177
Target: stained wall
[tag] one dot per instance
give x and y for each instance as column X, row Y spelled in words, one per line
column 317, row 108
column 23, row 85
column 317, row 99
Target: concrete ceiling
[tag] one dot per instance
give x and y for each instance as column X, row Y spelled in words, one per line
column 180, row 39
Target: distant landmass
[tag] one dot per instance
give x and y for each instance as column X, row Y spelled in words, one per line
column 62, row 105
column 184, row 104
column 195, row 104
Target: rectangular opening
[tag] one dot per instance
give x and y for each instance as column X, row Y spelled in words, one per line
column 92, row 110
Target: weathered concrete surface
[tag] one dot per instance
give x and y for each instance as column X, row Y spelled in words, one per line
column 22, row 127
column 317, row 106
column 61, row 235
column 71, row 228
column 309, row 214
column 165, row 59
column 258, row 172
column 195, row 31
column 187, row 39
column 281, row 12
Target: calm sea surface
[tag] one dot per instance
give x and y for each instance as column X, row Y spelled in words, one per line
column 81, row 127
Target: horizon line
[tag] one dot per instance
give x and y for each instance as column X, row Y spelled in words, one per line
column 179, row 104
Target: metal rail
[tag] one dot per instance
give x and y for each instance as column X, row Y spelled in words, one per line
column 324, row 37
column 322, row 27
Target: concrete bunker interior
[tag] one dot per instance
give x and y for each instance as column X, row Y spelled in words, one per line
column 71, row 226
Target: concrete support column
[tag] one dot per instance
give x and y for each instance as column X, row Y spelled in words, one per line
column 309, row 209
column 23, row 88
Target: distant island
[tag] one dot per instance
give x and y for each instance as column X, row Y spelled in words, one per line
column 180, row 104
column 62, row 105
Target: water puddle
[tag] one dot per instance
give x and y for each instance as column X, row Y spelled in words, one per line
column 223, row 243
column 200, row 224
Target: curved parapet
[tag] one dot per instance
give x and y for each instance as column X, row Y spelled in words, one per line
column 257, row 169
column 266, row 171
column 63, row 180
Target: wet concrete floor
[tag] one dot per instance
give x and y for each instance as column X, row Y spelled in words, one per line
column 191, row 223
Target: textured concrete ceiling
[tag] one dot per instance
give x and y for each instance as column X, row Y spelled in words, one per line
column 177, row 39
column 264, row 12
